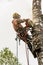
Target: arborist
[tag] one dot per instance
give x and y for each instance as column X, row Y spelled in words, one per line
column 22, row 31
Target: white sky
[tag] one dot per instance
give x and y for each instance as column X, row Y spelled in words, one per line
column 7, row 33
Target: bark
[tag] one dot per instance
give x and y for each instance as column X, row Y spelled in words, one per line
column 36, row 10
column 36, row 14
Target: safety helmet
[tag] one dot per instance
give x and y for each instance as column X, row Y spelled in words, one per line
column 16, row 15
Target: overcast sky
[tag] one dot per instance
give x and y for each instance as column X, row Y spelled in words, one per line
column 7, row 33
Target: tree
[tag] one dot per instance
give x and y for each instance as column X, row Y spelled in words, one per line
column 38, row 21
column 7, row 58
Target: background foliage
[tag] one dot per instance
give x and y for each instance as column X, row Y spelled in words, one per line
column 7, row 58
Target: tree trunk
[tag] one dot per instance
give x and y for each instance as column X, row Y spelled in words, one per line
column 36, row 14
column 36, row 10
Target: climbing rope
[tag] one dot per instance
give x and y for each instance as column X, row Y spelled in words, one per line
column 27, row 53
column 17, row 42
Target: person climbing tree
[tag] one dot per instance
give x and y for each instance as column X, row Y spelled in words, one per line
column 22, row 31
